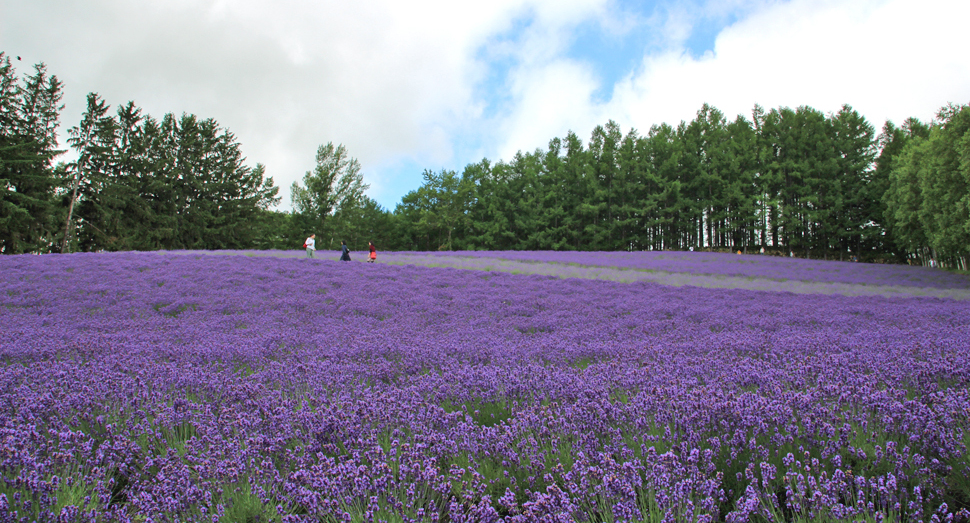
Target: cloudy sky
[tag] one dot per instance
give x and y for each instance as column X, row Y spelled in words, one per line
column 416, row 85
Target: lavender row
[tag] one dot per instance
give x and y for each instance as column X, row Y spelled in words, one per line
column 713, row 270
column 744, row 265
column 218, row 388
column 677, row 279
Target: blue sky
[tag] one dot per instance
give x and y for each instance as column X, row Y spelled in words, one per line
column 612, row 50
column 433, row 84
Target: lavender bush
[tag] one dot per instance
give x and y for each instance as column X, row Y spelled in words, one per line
column 151, row 387
column 745, row 265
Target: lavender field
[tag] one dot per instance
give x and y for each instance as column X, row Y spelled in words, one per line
column 189, row 387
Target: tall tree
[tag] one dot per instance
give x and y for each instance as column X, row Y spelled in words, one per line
column 890, row 143
column 904, row 198
column 445, row 197
column 629, row 193
column 492, row 206
column 945, row 185
column 335, row 182
column 29, row 115
column 523, row 176
column 94, row 141
column 551, row 231
column 792, row 178
column 481, row 218
column 667, row 205
column 858, row 215
column 800, row 171
column 706, row 143
column 740, row 203
column 581, row 203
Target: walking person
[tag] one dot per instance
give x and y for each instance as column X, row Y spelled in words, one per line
column 373, row 253
column 344, row 252
column 311, row 245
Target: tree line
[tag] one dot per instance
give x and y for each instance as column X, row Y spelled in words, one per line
column 29, row 116
column 792, row 181
column 138, row 183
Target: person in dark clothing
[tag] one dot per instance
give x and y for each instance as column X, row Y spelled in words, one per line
column 344, row 252
column 373, row 253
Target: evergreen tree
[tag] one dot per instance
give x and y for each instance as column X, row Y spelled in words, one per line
column 445, row 197
column 857, row 218
column 29, row 114
column 580, row 204
column 891, row 142
column 180, row 183
column 945, row 185
column 629, row 193
column 690, row 221
column 904, row 198
column 523, row 175
column 604, row 168
column 91, row 176
column 665, row 208
column 492, row 207
column 740, row 190
column 477, row 177
column 551, row 199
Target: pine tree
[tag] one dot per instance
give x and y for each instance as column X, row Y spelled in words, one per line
column 29, row 114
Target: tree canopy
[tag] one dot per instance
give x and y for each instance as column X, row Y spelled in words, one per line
column 794, row 181
column 29, row 116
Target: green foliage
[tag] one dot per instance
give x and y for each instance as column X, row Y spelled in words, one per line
column 137, row 183
column 362, row 222
column 857, row 209
column 944, row 211
column 334, row 184
column 927, row 199
column 178, row 183
column 794, row 179
column 438, row 210
column 66, row 487
column 242, row 504
column 29, row 114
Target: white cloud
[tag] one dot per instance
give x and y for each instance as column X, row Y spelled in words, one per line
column 888, row 59
column 549, row 99
column 399, row 83
column 388, row 79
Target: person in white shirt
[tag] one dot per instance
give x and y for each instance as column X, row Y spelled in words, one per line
column 311, row 245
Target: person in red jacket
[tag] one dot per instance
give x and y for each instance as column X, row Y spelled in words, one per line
column 373, row 253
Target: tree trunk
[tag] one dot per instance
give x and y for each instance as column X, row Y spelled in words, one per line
column 70, row 212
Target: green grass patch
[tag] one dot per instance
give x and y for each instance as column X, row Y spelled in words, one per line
column 484, row 413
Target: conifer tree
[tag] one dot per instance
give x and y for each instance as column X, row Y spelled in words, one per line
column 29, row 115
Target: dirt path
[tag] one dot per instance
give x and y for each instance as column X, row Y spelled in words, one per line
column 677, row 279
column 672, row 278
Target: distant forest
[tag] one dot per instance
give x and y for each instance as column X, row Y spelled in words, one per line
column 792, row 181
